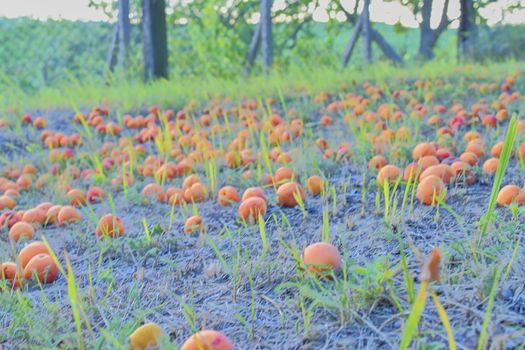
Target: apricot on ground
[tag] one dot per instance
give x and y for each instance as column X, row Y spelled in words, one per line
column 315, row 184
column 29, row 251
column 388, row 174
column 253, row 192
column 43, row 267
column 21, row 229
column 287, row 193
column 67, row 215
column 510, row 194
column 429, row 189
column 207, row 340
column 251, row 208
column 490, row 166
column 193, row 224
column 110, row 226
column 322, row 257
column 145, row 337
column 228, row 195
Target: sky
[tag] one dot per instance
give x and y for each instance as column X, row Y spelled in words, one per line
column 380, row 11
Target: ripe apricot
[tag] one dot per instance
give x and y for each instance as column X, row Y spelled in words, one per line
column 315, row 184
column 34, row 216
column 496, row 149
column 21, row 229
column 189, row 181
column 95, row 194
column 476, row 148
column 193, row 224
column 29, row 251
column 228, row 195
column 287, row 193
column 283, row 175
column 9, row 271
column 423, row 149
column 67, row 215
column 377, row 162
column 196, row 193
column 153, row 190
column 490, row 166
column 44, row 206
column 251, row 208
column 43, row 267
column 145, row 337
column 388, row 174
column 110, row 226
column 469, row 158
column 321, row 257
column 175, row 195
column 52, row 214
column 510, row 194
column 443, row 171
column 429, row 189
column 24, row 182
column 207, row 340
column 253, row 192
column 428, row 161
column 7, row 202
column 76, row 197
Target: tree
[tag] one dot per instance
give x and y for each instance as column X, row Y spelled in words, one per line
column 266, row 34
column 363, row 28
column 428, row 35
column 124, row 28
column 467, row 31
column 154, row 38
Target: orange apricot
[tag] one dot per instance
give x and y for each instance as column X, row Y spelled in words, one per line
column 153, row 190
column 7, row 202
column 496, row 149
column 196, row 193
column 284, row 174
column 469, row 158
column 193, row 224
column 490, row 166
column 315, row 184
column 24, row 182
column 428, row 161
column 228, row 195
column 43, row 267
column 189, row 181
column 288, row 193
column 251, row 208
column 388, row 174
column 322, row 257
column 110, row 226
column 443, row 171
column 253, row 192
column 52, row 214
column 67, row 215
column 21, row 229
column 207, row 340
column 29, row 251
column 34, row 216
column 76, row 197
column 423, row 149
column 429, row 189
column 175, row 195
column 9, row 271
column 95, row 194
column 510, row 194
column 377, row 162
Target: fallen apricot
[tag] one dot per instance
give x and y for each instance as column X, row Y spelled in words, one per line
column 9, row 271
column 29, row 251
column 67, row 215
column 110, row 226
column 228, row 195
column 253, row 192
column 377, row 162
column 429, row 189
column 7, row 202
column 388, row 174
column 315, row 185
column 423, row 149
column 153, row 191
column 207, row 340
column 145, row 337
column 490, row 166
column 21, row 229
column 510, row 194
column 321, row 257
column 95, row 194
column 43, row 267
column 289, row 193
column 193, row 224
column 251, row 208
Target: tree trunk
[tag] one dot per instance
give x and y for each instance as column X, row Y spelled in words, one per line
column 252, row 52
column 124, row 28
column 467, row 31
column 428, row 37
column 351, row 43
column 367, row 41
column 387, row 49
column 154, row 38
column 111, row 59
column 266, row 34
